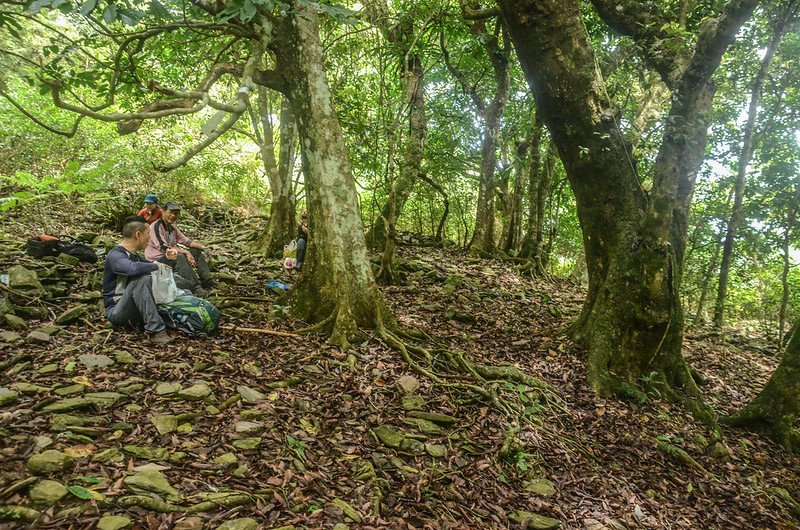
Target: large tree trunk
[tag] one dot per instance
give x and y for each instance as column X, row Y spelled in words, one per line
column 774, row 411
column 280, row 229
column 748, row 145
column 632, row 321
column 336, row 289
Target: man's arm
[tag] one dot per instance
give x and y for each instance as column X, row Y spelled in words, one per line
column 122, row 264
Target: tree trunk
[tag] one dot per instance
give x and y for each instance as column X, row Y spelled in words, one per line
column 484, row 241
column 775, row 409
column 280, row 229
column 404, row 42
column 514, row 228
column 632, row 321
column 748, row 145
column 336, row 289
column 791, row 219
column 533, row 232
column 712, row 266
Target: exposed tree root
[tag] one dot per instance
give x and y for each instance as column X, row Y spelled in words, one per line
column 680, row 455
column 787, row 499
column 156, row 505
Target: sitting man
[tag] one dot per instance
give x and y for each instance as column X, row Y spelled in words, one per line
column 302, row 240
column 128, row 287
column 163, row 247
column 152, row 211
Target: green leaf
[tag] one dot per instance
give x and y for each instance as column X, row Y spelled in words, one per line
column 110, row 13
column 88, row 7
column 37, row 6
column 248, row 11
column 80, row 492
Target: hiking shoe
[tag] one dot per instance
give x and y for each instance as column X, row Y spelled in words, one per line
column 162, row 337
column 210, row 284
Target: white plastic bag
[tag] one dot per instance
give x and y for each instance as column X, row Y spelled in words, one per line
column 164, row 289
column 290, row 250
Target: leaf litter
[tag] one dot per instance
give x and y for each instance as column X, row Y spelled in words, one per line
column 295, row 433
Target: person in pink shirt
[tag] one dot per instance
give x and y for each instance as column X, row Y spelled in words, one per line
column 190, row 264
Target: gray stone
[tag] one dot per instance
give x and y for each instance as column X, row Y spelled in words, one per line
column 226, row 460
column 541, row 486
column 163, row 389
column 28, row 388
column 436, row 450
column 250, row 395
column 69, row 404
column 48, row 368
column 10, row 337
column 408, row 383
column 113, row 522
column 124, row 357
column 14, row 322
column 248, row 427
column 8, row 397
column 533, row 520
column 244, row 523
column 247, row 444
column 151, row 482
column 196, row 392
column 105, row 399
column 49, row 461
column 91, row 360
column 71, row 315
column 69, row 389
column 22, row 279
column 165, row 424
column 37, row 337
column 47, row 492
column 146, row 452
column 69, row 261
column 6, row 307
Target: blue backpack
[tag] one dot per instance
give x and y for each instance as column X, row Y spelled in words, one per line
column 191, row 315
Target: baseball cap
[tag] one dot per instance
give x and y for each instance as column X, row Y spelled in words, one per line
column 173, row 206
column 151, row 198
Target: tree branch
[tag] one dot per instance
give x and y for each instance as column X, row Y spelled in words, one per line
column 243, row 101
column 471, row 13
column 459, row 75
column 37, row 121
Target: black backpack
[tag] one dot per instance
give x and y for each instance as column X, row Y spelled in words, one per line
column 39, row 248
column 79, row 250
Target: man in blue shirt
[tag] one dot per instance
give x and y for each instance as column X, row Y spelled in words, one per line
column 128, row 287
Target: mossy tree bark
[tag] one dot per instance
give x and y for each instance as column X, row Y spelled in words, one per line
column 774, row 411
column 632, row 320
column 336, row 289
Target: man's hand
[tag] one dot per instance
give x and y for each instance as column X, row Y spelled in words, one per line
column 191, row 259
column 171, row 253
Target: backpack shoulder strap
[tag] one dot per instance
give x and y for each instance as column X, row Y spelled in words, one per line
column 157, row 229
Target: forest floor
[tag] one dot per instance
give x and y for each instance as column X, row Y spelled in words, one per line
column 295, row 434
